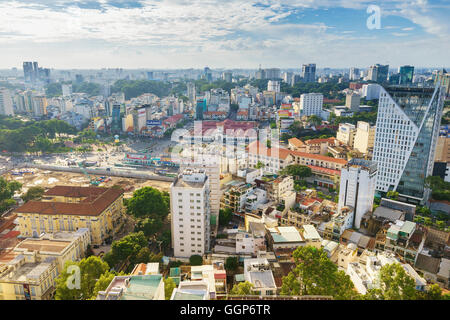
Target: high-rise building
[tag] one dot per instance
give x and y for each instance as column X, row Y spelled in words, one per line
column 207, row 74
column 79, row 78
column 191, row 91
column 364, row 137
column 406, row 75
column 28, row 72
column 200, row 108
column 287, row 78
column 260, row 74
column 379, row 73
column 443, row 77
column 405, row 140
column 6, row 103
column 227, row 76
column 357, row 188
column 309, row 72
column 353, row 101
column 190, row 210
column 66, row 90
column 39, row 105
column 354, row 74
column 273, row 86
column 346, row 134
column 272, row 73
column 311, row 104
column 211, row 166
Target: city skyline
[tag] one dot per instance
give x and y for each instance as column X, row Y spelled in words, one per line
column 170, row 35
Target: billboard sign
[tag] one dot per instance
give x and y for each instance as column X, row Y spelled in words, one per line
column 134, row 156
column 154, row 123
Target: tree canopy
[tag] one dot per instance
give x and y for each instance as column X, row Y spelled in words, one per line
column 148, row 202
column 7, row 190
column 395, row 284
column 126, row 248
column 316, row 274
column 225, row 216
column 242, row 289
column 90, row 271
column 298, row 171
column 196, row 260
column 33, row 193
column 169, row 286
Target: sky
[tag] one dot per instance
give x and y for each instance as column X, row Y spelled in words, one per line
column 171, row 34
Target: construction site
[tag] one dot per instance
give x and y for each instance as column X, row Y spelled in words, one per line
column 33, row 177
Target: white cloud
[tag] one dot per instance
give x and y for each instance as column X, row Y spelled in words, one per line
column 183, row 33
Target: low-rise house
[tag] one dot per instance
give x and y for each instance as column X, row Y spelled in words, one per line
column 259, row 274
column 338, row 224
column 311, row 236
column 367, row 276
column 28, row 278
column 136, row 287
column 191, row 290
column 404, row 238
column 361, row 241
column 285, row 238
column 63, row 246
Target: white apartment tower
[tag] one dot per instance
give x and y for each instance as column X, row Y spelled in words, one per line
column 357, row 188
column 405, row 140
column 346, row 134
column 364, row 138
column 274, row 86
column 311, row 104
column 6, row 104
column 191, row 91
column 353, row 101
column 190, row 211
column 211, row 165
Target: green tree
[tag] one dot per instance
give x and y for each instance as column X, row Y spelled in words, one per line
column 196, row 260
column 225, row 216
column 392, row 195
column 169, row 286
column 231, row 264
column 242, row 289
column 126, row 248
column 395, row 284
column 148, row 202
column 316, row 274
column 259, row 165
column 315, row 120
column 149, row 226
column 102, row 283
column 7, row 190
column 33, row 193
column 298, row 171
column 91, row 270
column 143, row 256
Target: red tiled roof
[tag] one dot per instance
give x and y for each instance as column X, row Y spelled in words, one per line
column 94, row 204
column 258, row 148
column 173, row 119
column 318, row 157
column 317, row 141
column 220, row 276
column 325, row 170
column 296, row 142
column 11, row 234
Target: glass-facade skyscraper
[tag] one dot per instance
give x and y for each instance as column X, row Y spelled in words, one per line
column 406, row 74
column 405, row 140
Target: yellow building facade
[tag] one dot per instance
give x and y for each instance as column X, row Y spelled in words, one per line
column 65, row 208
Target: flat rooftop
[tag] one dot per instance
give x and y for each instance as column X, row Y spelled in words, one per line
column 44, row 245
